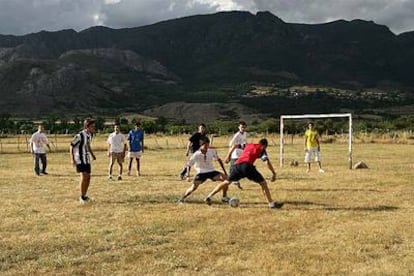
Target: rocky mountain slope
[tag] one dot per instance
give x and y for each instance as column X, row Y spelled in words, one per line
column 216, row 58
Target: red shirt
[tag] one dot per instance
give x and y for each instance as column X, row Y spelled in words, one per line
column 250, row 153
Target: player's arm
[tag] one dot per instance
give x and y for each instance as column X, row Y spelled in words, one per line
column 228, row 156
column 191, row 162
column 187, row 151
column 109, row 147
column 270, row 167
column 129, row 140
column 317, row 141
column 233, row 145
column 48, row 145
column 142, row 143
column 222, row 165
column 266, row 159
column 72, row 144
column 306, row 141
column 72, row 155
column 125, row 148
column 90, row 150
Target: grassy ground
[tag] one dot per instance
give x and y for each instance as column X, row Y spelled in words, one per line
column 346, row 222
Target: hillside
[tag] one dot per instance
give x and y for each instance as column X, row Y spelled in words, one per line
column 216, row 58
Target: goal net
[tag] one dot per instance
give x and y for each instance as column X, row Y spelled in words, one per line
column 283, row 118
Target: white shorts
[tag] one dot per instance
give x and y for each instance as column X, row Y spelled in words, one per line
column 134, row 154
column 313, row 151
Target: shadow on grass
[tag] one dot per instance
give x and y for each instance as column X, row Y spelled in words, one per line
column 299, row 205
column 380, row 208
column 331, row 190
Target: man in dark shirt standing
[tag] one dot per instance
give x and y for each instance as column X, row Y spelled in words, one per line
column 192, row 146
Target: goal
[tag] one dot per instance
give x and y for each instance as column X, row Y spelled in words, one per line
column 313, row 116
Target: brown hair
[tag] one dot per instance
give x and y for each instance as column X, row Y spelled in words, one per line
column 88, row 122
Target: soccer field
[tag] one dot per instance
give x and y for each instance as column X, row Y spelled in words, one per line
column 358, row 222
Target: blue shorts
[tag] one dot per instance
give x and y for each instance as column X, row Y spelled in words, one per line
column 83, row 168
column 243, row 170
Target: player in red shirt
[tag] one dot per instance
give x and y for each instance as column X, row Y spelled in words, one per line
column 244, row 167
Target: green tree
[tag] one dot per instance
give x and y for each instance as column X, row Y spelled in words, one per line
column 161, row 123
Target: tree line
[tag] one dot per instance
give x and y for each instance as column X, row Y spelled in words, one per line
column 56, row 125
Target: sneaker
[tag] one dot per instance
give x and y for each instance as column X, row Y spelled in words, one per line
column 180, row 201
column 207, row 200
column 45, row 173
column 275, row 205
column 237, row 184
column 110, row 178
column 225, row 199
column 321, row 171
column 183, row 173
column 84, row 199
column 119, row 177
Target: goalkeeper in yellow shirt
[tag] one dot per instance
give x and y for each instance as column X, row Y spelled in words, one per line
column 312, row 147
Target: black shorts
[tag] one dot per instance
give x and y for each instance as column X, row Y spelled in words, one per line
column 201, row 177
column 243, row 170
column 83, row 168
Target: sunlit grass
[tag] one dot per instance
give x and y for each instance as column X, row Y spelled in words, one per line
column 357, row 222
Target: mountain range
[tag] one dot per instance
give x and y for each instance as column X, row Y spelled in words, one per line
column 237, row 62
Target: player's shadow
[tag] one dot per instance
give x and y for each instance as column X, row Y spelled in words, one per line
column 316, row 206
column 295, row 178
column 330, row 190
column 327, row 207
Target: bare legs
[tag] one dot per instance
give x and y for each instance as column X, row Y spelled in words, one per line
column 131, row 160
column 84, row 183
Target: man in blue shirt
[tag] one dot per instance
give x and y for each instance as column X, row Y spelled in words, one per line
column 136, row 147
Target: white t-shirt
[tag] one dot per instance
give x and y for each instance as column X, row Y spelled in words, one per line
column 238, row 139
column 39, row 142
column 117, row 142
column 203, row 163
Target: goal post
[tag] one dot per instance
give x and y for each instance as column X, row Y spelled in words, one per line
column 314, row 116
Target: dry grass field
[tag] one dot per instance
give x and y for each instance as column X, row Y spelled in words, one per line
column 341, row 222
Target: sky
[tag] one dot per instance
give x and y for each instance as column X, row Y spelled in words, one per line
column 19, row 17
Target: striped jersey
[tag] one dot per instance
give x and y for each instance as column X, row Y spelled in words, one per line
column 80, row 148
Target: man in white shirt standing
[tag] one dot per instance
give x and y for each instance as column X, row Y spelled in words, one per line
column 202, row 160
column 116, row 150
column 38, row 144
column 236, row 145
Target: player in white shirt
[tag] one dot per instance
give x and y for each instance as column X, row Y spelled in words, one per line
column 38, row 144
column 202, row 160
column 116, row 150
column 236, row 145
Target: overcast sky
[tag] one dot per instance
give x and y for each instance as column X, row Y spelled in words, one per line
column 20, row 17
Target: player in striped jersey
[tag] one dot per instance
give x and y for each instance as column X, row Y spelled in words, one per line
column 81, row 154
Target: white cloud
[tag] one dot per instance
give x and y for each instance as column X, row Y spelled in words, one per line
column 110, row 2
column 221, row 5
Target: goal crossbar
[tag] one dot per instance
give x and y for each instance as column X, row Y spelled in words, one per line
column 314, row 116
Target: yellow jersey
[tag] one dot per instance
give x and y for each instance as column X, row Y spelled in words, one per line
column 311, row 136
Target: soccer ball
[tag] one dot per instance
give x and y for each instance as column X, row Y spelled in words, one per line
column 294, row 163
column 234, row 202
